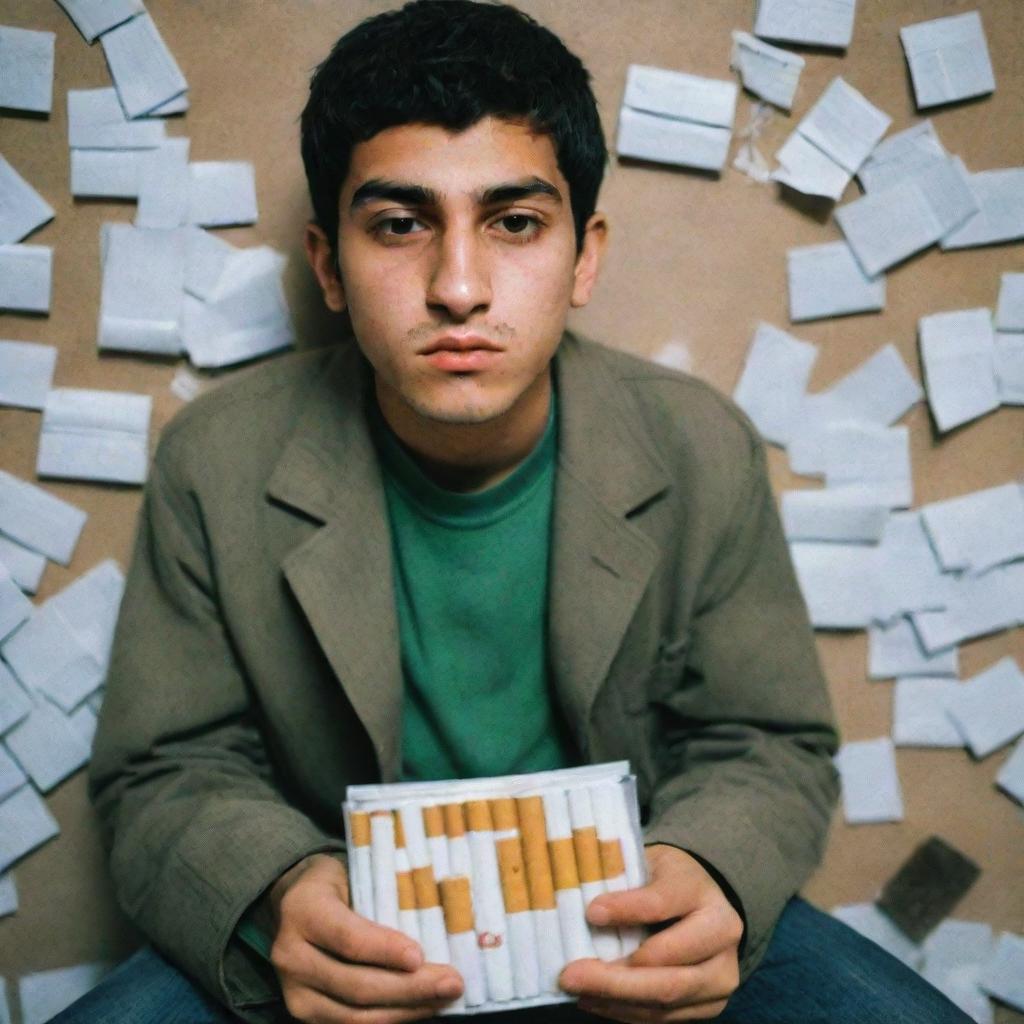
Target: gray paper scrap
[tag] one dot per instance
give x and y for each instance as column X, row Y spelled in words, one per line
column 1011, row 776
column 765, row 70
column 25, row 566
column 814, row 22
column 826, row 280
column 870, row 784
column 26, row 60
column 8, row 903
column 12, row 778
column 901, row 156
column 221, row 193
column 989, row 708
column 1003, row 975
column 666, row 140
column 164, row 186
column 869, row 921
column 15, row 607
column 47, row 993
column 948, row 59
column 47, row 746
column 838, row 582
column 22, row 208
column 14, row 701
column 145, row 73
column 919, row 716
column 773, row 384
column 895, row 651
column 94, row 17
column 955, row 954
column 1009, row 359
column 96, row 120
column 1000, row 194
column 25, row 823
column 95, row 435
column 143, row 290
column 910, row 578
column 1010, row 310
column 26, row 372
column 39, row 520
column 105, row 173
column 837, row 514
column 25, row 277
column 205, row 259
column 958, row 355
column 978, row 530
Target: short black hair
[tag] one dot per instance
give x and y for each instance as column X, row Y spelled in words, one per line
column 450, row 63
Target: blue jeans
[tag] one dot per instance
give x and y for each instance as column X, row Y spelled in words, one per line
column 816, row 971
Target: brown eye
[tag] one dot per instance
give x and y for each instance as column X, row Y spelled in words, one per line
column 401, row 225
column 516, row 223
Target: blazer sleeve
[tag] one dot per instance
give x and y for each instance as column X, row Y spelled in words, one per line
column 747, row 783
column 186, row 795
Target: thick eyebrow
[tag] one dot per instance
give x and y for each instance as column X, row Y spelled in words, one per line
column 409, row 194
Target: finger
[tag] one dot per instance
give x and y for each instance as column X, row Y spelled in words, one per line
column 361, row 985
column 345, row 934
column 311, row 1007
column 633, row 1013
column 697, row 937
column 660, row 986
column 649, row 904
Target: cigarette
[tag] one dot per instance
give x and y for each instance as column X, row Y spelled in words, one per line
column 385, row 884
column 408, row 920
column 427, row 899
column 541, row 889
column 568, row 895
column 525, row 967
column 433, row 826
column 458, row 845
column 360, row 864
column 588, row 864
column 491, row 925
column 618, row 851
column 458, row 918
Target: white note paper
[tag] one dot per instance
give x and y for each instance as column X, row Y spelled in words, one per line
column 1003, row 974
column 955, row 954
column 838, row 514
column 205, row 258
column 47, row 746
column 826, row 280
column 145, row 72
column 26, row 372
column 221, row 193
column 989, row 708
column 105, row 173
column 1000, row 195
column 15, row 607
column 22, row 208
column 39, row 520
column 910, row 578
column 900, row 156
column 765, row 70
column 919, row 717
column 25, row 277
column 978, row 530
column 894, row 650
column 870, row 784
column 1010, row 309
column 1009, row 360
column 25, row 566
column 867, row 920
column 89, row 605
column 837, row 582
column 813, row 22
column 96, row 120
column 47, row 993
column 948, row 59
column 665, row 140
column 1011, row 776
column 12, row 778
column 14, row 701
column 94, row 17
column 25, row 823
column 164, row 186
column 8, row 906
column 26, row 63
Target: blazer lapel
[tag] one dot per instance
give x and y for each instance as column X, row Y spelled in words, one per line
column 342, row 575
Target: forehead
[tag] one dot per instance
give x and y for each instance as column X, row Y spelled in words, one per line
column 454, row 163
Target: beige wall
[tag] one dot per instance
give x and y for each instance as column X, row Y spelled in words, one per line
column 693, row 259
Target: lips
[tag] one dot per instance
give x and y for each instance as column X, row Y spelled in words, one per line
column 461, row 353
column 460, row 343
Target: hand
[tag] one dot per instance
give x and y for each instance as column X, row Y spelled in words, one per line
column 685, row 971
column 336, row 967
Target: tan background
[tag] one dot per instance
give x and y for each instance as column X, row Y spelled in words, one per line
column 693, row 259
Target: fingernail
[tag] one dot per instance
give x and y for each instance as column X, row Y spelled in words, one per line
column 449, row 988
column 598, row 914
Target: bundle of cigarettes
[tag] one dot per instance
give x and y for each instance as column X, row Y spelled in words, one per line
column 494, row 875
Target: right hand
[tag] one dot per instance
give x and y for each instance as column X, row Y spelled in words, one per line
column 336, row 967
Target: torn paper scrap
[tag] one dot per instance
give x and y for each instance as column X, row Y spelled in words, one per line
column 765, row 70
column 772, row 386
column 12, row 778
column 1010, row 308
column 665, row 140
column 919, row 716
column 1009, row 358
column 910, row 578
column 47, row 993
column 894, row 650
column 178, row 105
column 812, row 22
column 837, row 582
column 25, row 566
column 948, row 59
column 96, row 120
column 1011, row 776
column 25, row 277
column 14, row 701
column 26, row 60
column 144, row 71
column 186, row 385
column 15, row 607
column 749, row 159
column 955, row 954
column 978, row 530
column 105, row 173
column 39, row 520
column 22, row 208
column 89, row 606
column 25, row 823
column 26, row 373
column 870, row 785
column 94, row 17
column 958, row 356
column 867, row 920
column 8, row 904
column 164, row 186
column 205, row 258
column 95, row 435
column 804, row 167
column 826, row 280
column 1000, row 195
column 989, row 708
column 900, row 156
column 840, row 514
column 221, row 193
column 1003, row 975
column 47, row 746
column 141, row 305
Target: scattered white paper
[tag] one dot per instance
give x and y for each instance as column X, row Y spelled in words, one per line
column 94, row 17
column 680, row 96
column 164, row 186
column 22, row 208
column 1010, row 310
column 176, row 106
column 105, row 173
column 205, row 258
column 1011, row 776
column 870, row 784
column 8, row 905
column 837, row 581
column 1000, row 194
column 765, row 70
column 948, row 59
column 978, row 530
column 25, row 277
column 89, row 605
column 47, row 746
column 95, row 435
column 1009, row 359
column 26, row 57
column 25, row 566
column 901, row 155
column 141, row 306
column 869, row 921
column 826, row 280
column 804, row 167
column 25, row 823
column 843, row 514
column 919, row 716
column 894, row 650
column 14, row 701
column 989, row 708
column 910, row 578
column 958, row 355
column 84, row 722
column 47, row 993
column 955, row 954
column 1003, row 975
column 12, row 778
column 96, row 120
column 15, row 607
column 813, row 22
column 26, row 372
column 39, row 520
column 221, row 193
column 772, row 386
column 665, row 140
column 145, row 73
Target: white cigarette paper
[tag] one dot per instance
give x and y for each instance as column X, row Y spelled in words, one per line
column 568, row 894
column 385, row 884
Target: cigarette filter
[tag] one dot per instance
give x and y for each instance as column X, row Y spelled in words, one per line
column 568, row 895
column 433, row 826
column 588, row 865
column 458, row 918
column 425, row 891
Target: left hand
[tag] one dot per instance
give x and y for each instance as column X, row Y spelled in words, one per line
column 685, row 971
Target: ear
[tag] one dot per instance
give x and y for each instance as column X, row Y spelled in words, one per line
column 320, row 254
column 588, row 262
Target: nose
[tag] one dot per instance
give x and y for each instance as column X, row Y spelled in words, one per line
column 460, row 281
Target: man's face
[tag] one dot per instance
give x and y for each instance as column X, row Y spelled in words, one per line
column 458, row 265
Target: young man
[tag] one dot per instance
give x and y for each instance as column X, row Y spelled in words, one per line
column 464, row 543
